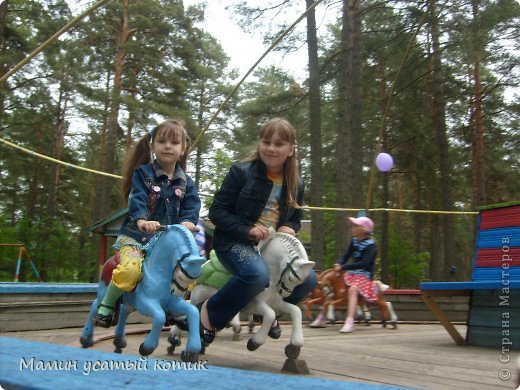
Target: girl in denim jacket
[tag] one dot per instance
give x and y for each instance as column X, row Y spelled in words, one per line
column 264, row 190
column 159, row 192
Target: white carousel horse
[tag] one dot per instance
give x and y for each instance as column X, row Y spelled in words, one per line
column 172, row 256
column 288, row 266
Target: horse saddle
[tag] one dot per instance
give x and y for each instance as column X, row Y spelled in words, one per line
column 108, row 268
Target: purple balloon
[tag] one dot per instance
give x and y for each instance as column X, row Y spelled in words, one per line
column 384, row 162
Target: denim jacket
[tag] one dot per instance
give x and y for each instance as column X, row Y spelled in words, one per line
column 363, row 253
column 242, row 197
column 155, row 198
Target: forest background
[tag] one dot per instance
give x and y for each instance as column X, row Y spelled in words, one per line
column 432, row 82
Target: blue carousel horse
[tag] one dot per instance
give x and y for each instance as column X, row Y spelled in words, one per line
column 172, row 258
column 288, row 266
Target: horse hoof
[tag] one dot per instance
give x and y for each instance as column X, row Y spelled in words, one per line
column 384, row 324
column 251, row 325
column 237, row 336
column 182, row 324
column 202, row 349
column 118, row 350
column 252, row 345
column 145, row 351
column 292, row 351
column 86, row 342
column 174, row 341
column 170, row 350
column 394, row 324
column 120, row 342
column 189, row 356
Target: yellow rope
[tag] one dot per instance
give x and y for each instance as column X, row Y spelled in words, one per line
column 5, row 142
column 391, row 210
column 97, row 5
column 199, row 136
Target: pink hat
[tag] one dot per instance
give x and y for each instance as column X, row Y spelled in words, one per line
column 366, row 222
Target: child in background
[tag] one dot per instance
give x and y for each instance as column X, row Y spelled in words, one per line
column 360, row 271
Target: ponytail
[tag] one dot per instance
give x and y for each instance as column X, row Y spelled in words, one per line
column 142, row 154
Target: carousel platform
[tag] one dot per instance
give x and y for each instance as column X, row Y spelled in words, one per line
column 414, row 356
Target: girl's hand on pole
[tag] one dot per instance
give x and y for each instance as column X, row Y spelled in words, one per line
column 148, row 226
column 190, row 226
column 259, row 233
column 287, row 230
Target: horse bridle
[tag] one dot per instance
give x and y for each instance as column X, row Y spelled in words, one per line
column 288, row 268
column 179, row 265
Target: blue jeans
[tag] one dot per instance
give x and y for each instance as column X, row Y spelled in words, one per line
column 250, row 277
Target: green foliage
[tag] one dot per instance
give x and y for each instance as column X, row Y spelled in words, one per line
column 174, row 68
column 212, row 182
column 8, row 254
column 406, row 267
column 166, row 57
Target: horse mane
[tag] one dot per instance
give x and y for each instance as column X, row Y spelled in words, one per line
column 293, row 244
column 150, row 245
column 326, row 273
column 187, row 239
column 329, row 276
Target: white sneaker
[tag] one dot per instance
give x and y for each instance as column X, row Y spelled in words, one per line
column 347, row 328
column 318, row 323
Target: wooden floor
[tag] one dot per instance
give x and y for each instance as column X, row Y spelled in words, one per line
column 421, row 356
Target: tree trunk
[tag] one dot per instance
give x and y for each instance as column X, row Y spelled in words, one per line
column 349, row 141
column 200, row 124
column 33, row 207
column 383, row 245
column 439, row 120
column 477, row 125
column 356, row 106
column 343, row 139
column 99, row 197
column 418, row 220
column 3, row 66
column 434, row 247
column 113, row 123
column 59, row 139
column 131, row 114
column 316, row 189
